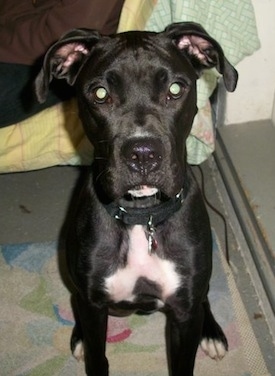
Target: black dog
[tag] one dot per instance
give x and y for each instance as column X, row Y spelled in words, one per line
column 140, row 240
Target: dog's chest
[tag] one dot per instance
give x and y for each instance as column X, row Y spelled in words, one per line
column 144, row 274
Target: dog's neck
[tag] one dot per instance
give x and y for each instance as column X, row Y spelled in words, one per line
column 147, row 215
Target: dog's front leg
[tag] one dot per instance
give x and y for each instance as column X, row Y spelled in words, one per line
column 89, row 335
column 182, row 341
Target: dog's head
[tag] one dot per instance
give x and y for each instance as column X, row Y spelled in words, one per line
column 137, row 100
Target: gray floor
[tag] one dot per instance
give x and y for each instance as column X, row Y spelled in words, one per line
column 33, row 206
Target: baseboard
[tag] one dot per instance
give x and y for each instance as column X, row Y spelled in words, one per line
column 254, row 247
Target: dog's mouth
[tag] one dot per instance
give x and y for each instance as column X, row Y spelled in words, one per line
column 143, row 191
column 143, row 196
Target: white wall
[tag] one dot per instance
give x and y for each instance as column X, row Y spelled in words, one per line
column 254, row 97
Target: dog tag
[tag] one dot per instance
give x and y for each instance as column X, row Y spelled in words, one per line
column 152, row 243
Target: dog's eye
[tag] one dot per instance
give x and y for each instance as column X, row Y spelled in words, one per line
column 100, row 95
column 176, row 90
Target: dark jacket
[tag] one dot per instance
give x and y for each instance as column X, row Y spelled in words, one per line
column 29, row 27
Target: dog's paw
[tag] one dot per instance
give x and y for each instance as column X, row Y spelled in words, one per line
column 78, row 351
column 214, row 348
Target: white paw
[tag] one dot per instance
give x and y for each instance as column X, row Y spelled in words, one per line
column 79, row 351
column 213, row 348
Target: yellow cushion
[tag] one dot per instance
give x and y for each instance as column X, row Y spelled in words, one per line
column 55, row 136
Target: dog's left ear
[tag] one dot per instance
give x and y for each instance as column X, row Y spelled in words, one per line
column 65, row 59
column 204, row 52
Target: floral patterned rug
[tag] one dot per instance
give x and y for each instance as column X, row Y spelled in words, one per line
column 36, row 322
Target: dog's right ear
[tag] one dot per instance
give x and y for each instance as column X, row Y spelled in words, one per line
column 64, row 59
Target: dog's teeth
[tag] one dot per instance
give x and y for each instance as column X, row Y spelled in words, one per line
column 143, row 191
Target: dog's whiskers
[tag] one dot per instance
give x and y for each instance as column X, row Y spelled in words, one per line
column 102, row 173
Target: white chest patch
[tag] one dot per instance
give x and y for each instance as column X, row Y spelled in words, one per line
column 140, row 263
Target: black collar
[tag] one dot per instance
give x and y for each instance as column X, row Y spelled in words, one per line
column 142, row 216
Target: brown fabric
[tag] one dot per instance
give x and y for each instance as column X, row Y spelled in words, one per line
column 29, row 27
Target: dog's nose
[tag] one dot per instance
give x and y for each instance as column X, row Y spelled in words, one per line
column 143, row 155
